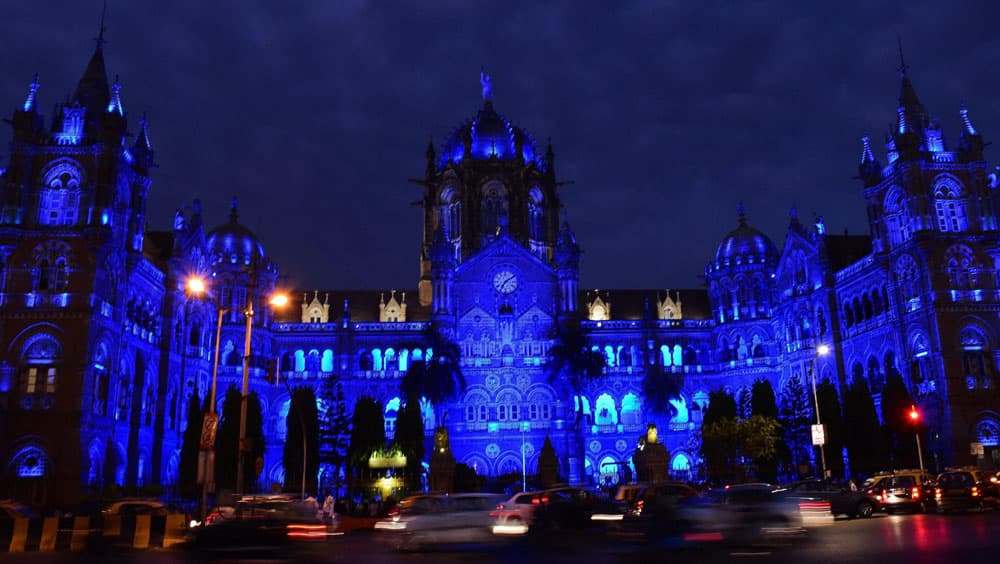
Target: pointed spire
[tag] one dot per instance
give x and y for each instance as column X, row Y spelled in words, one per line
column 870, row 170
column 142, row 149
column 115, row 105
column 92, row 90
column 912, row 116
column 742, row 214
column 100, row 32
column 793, row 217
column 234, row 214
column 866, row 150
column 964, row 112
column 29, row 102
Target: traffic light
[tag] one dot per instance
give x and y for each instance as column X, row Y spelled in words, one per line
column 914, row 414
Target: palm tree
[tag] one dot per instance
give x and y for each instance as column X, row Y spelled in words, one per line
column 437, row 376
column 659, row 386
column 572, row 364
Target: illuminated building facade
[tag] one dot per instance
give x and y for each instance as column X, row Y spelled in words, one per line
column 102, row 348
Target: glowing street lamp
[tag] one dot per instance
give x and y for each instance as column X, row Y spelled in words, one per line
column 276, row 300
column 819, row 434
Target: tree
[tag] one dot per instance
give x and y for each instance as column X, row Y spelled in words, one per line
column 732, row 442
column 548, row 465
column 191, row 445
column 830, row 415
column 763, row 404
column 571, row 365
column 437, row 376
column 227, row 441
column 367, row 437
column 659, row 386
column 896, row 402
column 334, row 427
column 409, row 440
column 796, row 417
column 301, row 412
column 762, row 400
column 863, row 434
column 720, row 435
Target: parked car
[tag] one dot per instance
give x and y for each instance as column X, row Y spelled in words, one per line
column 906, row 490
column 961, row 490
column 842, row 500
column 746, row 514
column 566, row 509
column 424, row 520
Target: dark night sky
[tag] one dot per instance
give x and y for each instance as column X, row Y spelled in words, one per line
column 664, row 114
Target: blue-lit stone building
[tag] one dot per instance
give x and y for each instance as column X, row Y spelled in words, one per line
column 102, row 347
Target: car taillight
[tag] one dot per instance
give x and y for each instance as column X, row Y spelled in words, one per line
column 306, row 531
column 975, row 491
column 915, row 493
column 545, row 500
column 393, row 512
column 500, row 507
column 535, row 501
column 882, row 496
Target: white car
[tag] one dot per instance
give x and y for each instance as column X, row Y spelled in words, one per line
column 513, row 517
column 439, row 519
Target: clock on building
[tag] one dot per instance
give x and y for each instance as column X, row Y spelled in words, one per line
column 505, row 281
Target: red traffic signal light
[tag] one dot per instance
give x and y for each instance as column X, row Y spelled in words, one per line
column 914, row 414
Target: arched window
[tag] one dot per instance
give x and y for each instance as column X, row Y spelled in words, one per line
column 665, row 357
column 907, row 281
column 326, row 365
column 609, row 471
column 897, row 220
column 313, row 361
column 30, row 462
column 391, row 412
column 949, row 206
column 678, row 355
column 536, row 217
column 631, row 410
column 59, row 198
column 300, row 360
column 40, row 362
column 609, row 353
column 390, row 359
column 959, row 260
column 451, row 213
column 377, row 359
column 494, row 209
column 680, row 467
column 976, row 364
column 365, row 361
column 876, row 380
column 607, row 413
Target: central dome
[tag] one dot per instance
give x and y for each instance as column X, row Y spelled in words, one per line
column 745, row 245
column 489, row 135
column 232, row 243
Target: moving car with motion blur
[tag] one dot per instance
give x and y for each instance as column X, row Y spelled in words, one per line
column 423, row 520
column 906, row 491
column 813, row 494
column 257, row 527
column 745, row 514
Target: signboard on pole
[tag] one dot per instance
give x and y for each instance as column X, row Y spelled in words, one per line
column 819, row 435
column 208, row 426
column 976, row 449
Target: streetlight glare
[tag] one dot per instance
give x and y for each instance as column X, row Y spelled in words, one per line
column 196, row 285
column 823, row 350
column 279, row 300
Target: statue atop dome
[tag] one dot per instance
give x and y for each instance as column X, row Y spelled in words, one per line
column 487, row 83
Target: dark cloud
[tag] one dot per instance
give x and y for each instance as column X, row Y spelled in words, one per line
column 664, row 115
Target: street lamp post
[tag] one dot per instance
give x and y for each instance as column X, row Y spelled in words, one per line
column 915, row 419
column 524, row 467
column 277, row 300
column 210, row 423
column 821, row 350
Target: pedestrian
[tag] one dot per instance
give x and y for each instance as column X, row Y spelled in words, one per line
column 328, row 507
